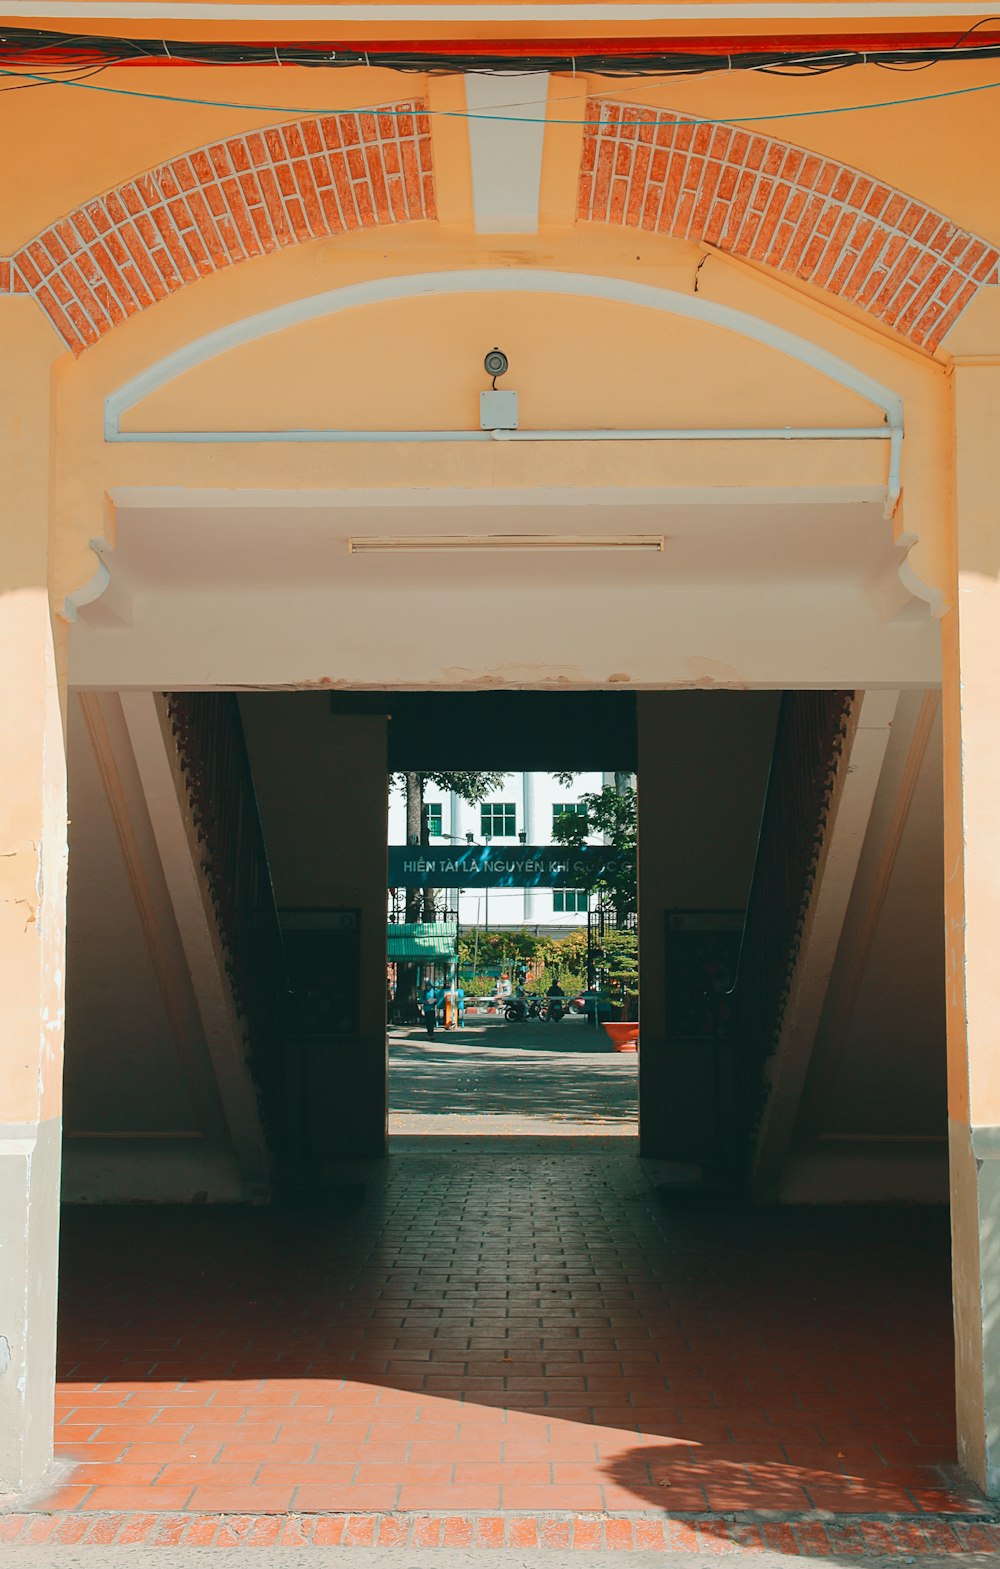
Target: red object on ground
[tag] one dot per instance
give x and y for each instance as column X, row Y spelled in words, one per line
column 624, row 1036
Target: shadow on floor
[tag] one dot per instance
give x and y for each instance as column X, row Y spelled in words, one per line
column 562, row 1073
column 525, row 1327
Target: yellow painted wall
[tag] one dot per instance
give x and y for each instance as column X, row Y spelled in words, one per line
column 63, row 481
column 575, row 362
column 418, row 364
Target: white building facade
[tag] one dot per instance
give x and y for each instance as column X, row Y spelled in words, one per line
column 521, row 811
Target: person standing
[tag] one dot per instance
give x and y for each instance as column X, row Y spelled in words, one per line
column 429, row 1004
column 460, row 1004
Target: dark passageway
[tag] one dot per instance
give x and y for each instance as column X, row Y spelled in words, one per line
column 548, row 1325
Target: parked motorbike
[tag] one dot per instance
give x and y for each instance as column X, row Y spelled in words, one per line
column 519, row 1009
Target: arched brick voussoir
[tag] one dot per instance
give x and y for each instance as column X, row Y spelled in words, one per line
column 808, row 216
column 222, row 204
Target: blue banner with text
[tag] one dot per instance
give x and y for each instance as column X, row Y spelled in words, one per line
column 502, row 866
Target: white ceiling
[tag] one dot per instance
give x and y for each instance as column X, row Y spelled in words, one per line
column 753, row 582
column 166, row 542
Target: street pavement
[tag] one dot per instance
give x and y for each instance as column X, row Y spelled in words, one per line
column 497, row 1078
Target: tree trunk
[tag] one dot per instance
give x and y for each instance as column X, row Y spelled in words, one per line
column 414, row 835
column 624, row 782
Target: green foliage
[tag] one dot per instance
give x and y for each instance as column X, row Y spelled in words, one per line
column 571, row 981
column 562, row 956
column 610, row 812
column 478, row 986
column 472, row 787
column 571, row 950
column 619, row 950
column 617, row 959
column 497, row 948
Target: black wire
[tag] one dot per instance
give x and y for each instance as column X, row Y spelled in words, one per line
column 78, row 75
column 98, row 52
column 974, row 28
column 907, row 70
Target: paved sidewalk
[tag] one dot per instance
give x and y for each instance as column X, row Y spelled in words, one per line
column 311, row 1555
column 529, row 1330
column 535, row 1540
column 498, row 1078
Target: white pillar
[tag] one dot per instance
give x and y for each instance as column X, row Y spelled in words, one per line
column 32, row 910
column 971, row 648
column 531, row 829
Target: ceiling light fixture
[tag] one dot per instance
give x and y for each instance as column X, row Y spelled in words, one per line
column 440, row 543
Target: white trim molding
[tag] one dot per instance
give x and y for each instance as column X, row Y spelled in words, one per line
column 485, row 280
column 887, row 405
column 506, row 137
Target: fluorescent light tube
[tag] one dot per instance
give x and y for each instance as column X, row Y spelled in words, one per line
column 437, row 543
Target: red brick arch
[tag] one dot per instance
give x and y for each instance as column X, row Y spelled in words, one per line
column 805, row 215
column 219, row 205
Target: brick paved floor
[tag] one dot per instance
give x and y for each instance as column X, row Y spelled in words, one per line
column 523, row 1326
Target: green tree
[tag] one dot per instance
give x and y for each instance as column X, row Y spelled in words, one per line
column 617, row 961
column 470, row 786
column 499, row 948
column 610, row 812
column 420, row 902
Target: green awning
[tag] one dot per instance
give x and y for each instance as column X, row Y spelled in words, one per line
column 416, row 940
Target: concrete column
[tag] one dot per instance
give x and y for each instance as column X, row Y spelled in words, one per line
column 703, row 762
column 322, row 783
column 532, row 828
column 971, row 647
column 32, row 909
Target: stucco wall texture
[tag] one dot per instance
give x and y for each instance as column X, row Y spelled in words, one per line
column 856, row 213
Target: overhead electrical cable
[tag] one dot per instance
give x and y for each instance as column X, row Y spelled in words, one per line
column 468, row 114
column 39, row 49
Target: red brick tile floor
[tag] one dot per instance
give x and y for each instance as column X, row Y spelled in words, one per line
column 523, row 1330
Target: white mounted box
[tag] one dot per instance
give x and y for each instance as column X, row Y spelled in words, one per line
column 498, row 411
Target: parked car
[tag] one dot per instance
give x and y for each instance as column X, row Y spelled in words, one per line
column 593, row 1002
